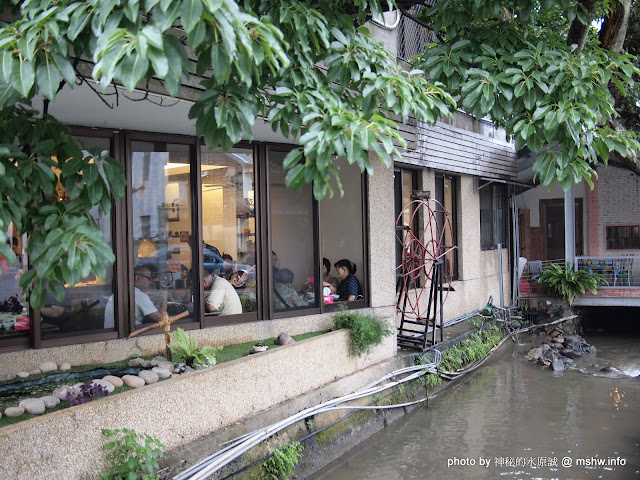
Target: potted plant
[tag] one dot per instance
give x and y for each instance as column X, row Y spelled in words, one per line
column 570, row 283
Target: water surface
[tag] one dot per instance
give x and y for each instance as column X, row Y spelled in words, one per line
column 515, row 420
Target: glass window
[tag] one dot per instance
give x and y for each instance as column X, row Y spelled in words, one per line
column 342, row 236
column 162, row 236
column 229, row 231
column 623, row 237
column 447, row 223
column 84, row 306
column 14, row 313
column 404, row 182
column 293, row 258
column 493, row 222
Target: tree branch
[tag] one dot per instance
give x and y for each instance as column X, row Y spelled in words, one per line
column 614, row 28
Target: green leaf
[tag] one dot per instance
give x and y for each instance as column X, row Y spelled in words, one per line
column 48, row 79
column 25, row 78
column 190, row 13
column 78, row 21
column 132, row 69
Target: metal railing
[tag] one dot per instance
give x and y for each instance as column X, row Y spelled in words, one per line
column 618, row 270
column 412, row 37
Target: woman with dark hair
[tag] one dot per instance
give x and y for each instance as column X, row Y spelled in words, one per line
column 349, row 288
column 284, row 296
column 328, row 280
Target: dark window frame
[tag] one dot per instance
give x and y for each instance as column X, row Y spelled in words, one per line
column 122, row 242
column 491, row 187
column 633, row 239
column 440, row 177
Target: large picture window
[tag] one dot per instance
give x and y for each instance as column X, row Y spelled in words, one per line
column 213, row 236
column 162, row 239
column 229, row 231
column 493, row 215
column 84, row 305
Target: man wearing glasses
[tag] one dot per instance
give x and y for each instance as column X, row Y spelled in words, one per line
column 146, row 311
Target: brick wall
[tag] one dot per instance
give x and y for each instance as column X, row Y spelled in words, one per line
column 619, row 200
column 594, row 229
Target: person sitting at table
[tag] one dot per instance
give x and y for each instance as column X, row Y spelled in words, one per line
column 145, row 310
column 284, row 296
column 227, row 266
column 222, row 298
column 328, row 280
column 349, row 288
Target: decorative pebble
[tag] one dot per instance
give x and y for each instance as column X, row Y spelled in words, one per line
column 7, row 376
column 64, row 366
column 166, row 364
column 115, row 381
column 139, row 362
column 34, row 406
column 156, row 361
column 35, row 371
column 48, row 367
column 133, row 381
column 61, row 392
column 148, row 376
column 50, row 401
column 108, row 386
column 161, row 372
column 22, row 374
column 13, row 411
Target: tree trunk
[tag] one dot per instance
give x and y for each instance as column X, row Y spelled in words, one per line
column 578, row 30
column 614, row 28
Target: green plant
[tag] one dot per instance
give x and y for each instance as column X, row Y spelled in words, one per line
column 366, row 330
column 131, row 455
column 186, row 347
column 432, row 380
column 570, row 283
column 283, row 460
column 476, row 321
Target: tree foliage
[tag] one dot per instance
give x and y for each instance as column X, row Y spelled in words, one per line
column 515, row 61
column 309, row 68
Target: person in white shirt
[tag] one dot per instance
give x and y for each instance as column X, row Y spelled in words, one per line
column 222, row 297
column 145, row 310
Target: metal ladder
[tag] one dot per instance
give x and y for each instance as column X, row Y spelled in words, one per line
column 414, row 331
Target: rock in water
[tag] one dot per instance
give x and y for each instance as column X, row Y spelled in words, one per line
column 558, row 366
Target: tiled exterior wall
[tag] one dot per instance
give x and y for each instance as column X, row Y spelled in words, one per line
column 619, row 198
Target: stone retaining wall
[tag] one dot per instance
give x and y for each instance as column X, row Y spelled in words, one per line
column 67, row 443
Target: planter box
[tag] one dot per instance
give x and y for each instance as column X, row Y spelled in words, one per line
column 68, row 443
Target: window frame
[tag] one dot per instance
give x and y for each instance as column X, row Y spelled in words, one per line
column 606, row 227
column 455, row 185
column 491, row 186
column 122, row 243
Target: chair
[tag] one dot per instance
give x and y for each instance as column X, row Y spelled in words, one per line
column 623, row 270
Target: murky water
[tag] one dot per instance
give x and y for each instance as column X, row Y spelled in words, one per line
column 515, row 420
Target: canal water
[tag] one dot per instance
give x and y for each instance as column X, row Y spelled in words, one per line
column 512, row 419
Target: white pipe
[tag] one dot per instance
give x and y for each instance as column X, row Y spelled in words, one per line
column 240, row 445
column 383, row 23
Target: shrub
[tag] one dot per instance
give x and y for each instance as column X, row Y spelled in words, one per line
column 366, row 330
column 186, row 347
column 570, row 283
column 128, row 458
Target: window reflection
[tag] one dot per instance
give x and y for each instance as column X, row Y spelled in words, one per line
column 162, row 240
column 229, row 231
column 84, row 304
column 342, row 233
column 14, row 314
column 293, row 259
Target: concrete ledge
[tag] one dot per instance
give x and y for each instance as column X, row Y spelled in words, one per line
column 67, row 443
